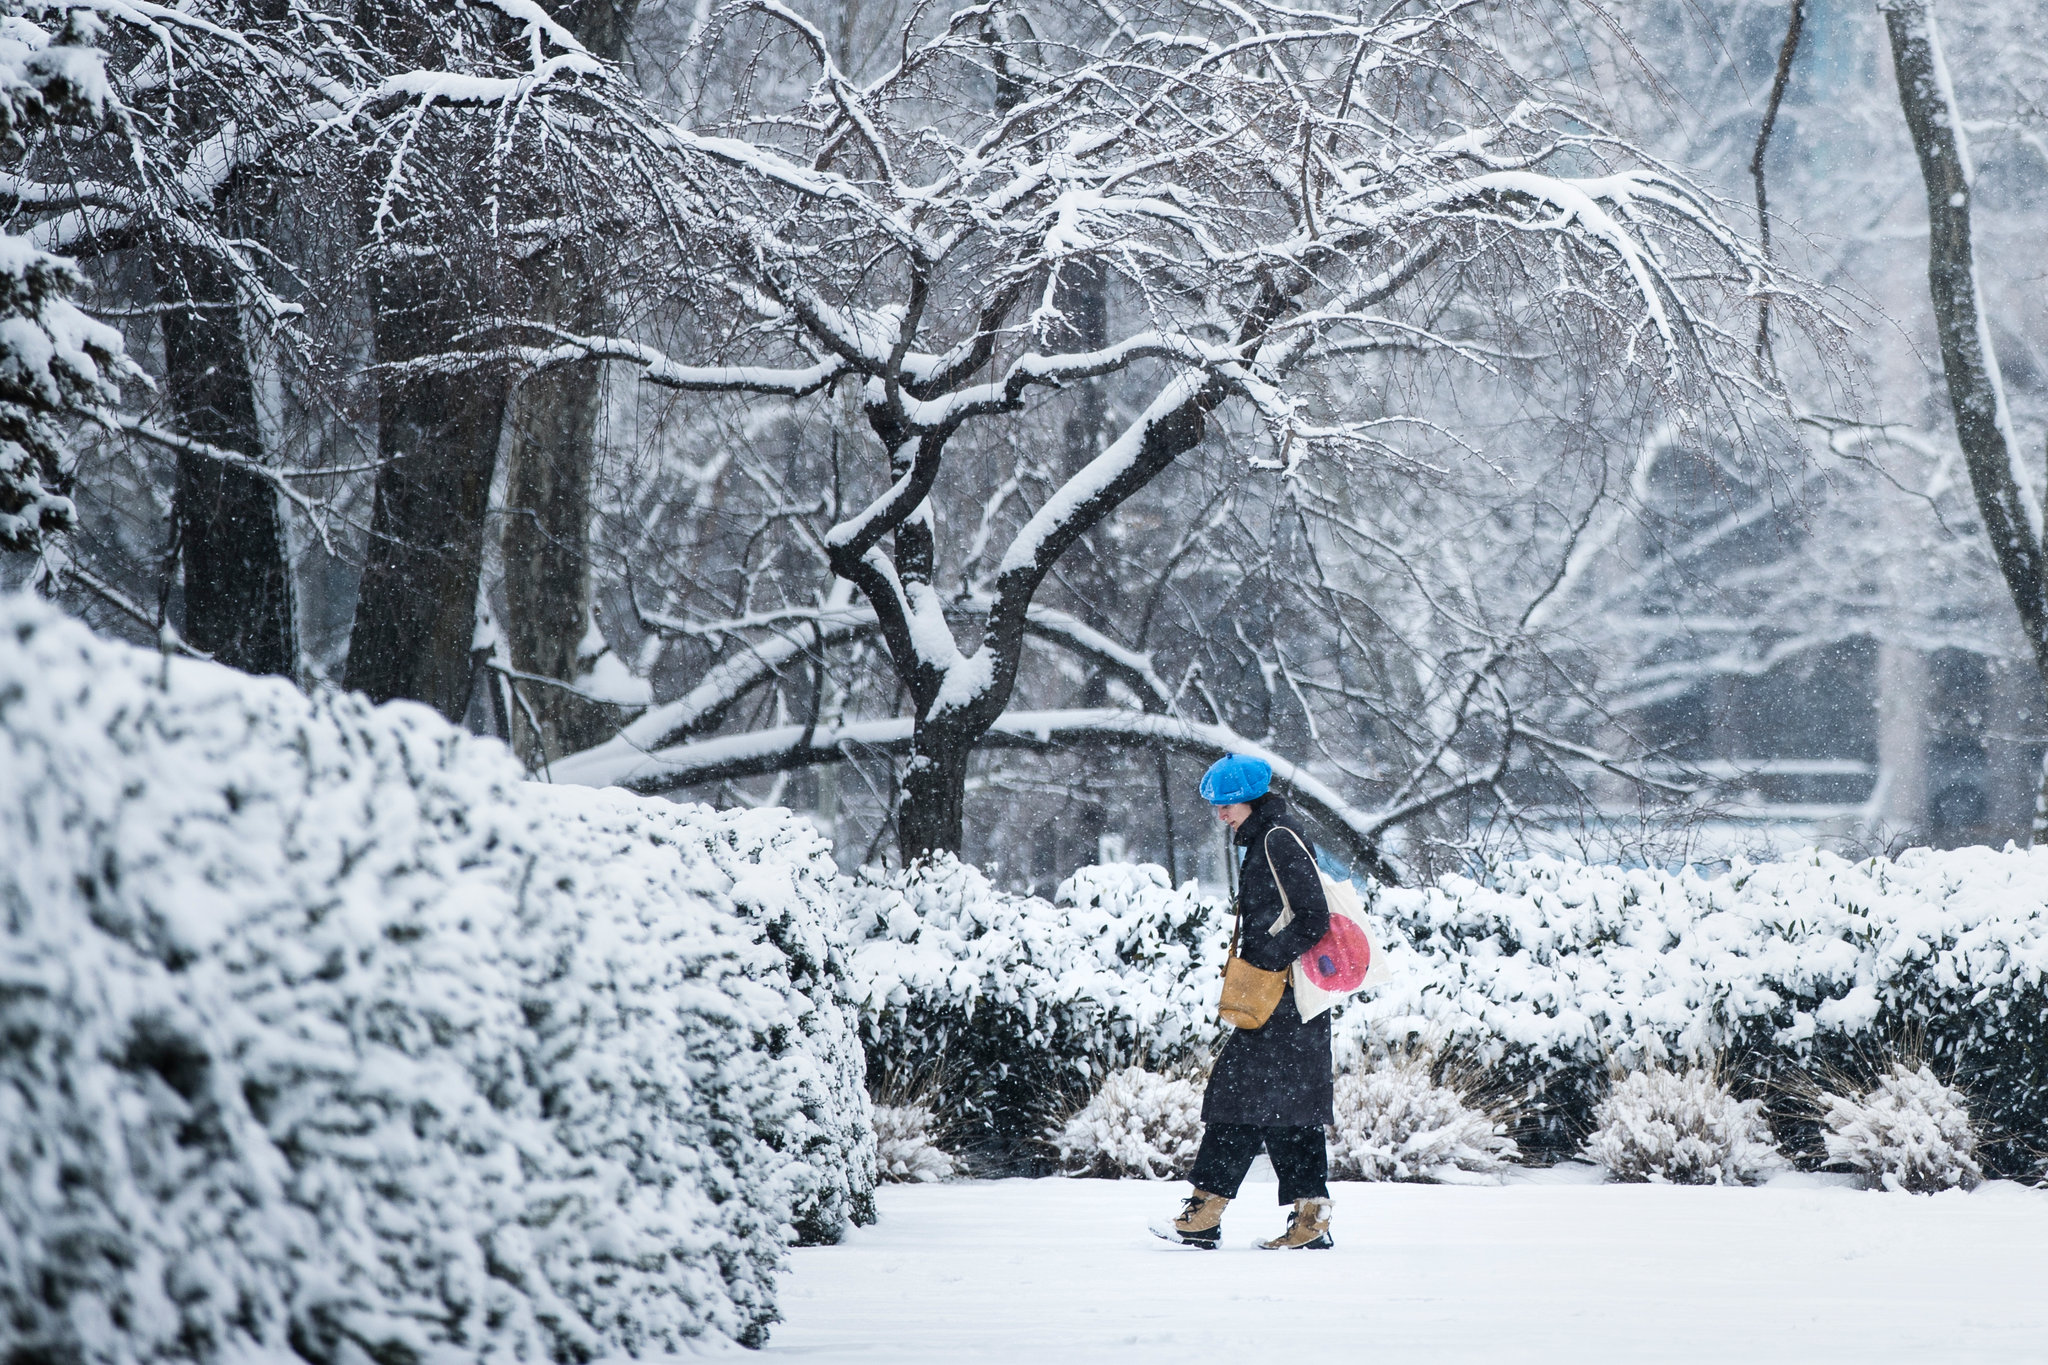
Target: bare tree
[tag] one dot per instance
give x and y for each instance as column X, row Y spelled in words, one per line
column 2008, row 496
column 277, row 175
column 176, row 185
column 551, row 444
column 1273, row 194
column 440, row 269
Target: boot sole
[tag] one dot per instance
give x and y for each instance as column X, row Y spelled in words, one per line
column 1322, row 1243
column 1205, row 1244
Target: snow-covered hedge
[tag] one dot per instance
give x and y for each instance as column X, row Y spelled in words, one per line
column 321, row 1031
column 1399, row 1120
column 1547, row 969
column 1009, row 1009
column 1543, row 974
column 785, row 883
column 1908, row 1131
column 1140, row 1125
column 1681, row 1127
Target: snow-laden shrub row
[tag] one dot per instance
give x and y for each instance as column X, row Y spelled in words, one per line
column 1396, row 1120
column 784, row 884
column 323, row 1032
column 1139, row 1126
column 1681, row 1127
column 1009, row 1010
column 1549, row 971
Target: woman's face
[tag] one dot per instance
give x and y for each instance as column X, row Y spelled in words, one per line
column 1234, row 814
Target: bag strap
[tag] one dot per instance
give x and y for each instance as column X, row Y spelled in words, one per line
column 1286, row 915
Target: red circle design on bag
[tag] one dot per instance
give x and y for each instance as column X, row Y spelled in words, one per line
column 1339, row 960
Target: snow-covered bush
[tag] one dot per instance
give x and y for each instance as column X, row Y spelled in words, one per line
column 54, row 360
column 777, row 875
column 1139, row 1125
column 1545, row 969
column 323, row 1032
column 1018, row 1005
column 1909, row 1131
column 1400, row 1120
column 1681, row 1128
column 784, row 882
column 906, row 1146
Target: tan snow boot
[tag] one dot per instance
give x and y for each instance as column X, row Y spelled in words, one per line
column 1308, row 1228
column 1200, row 1223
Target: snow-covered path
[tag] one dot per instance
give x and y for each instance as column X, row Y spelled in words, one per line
column 1546, row 1269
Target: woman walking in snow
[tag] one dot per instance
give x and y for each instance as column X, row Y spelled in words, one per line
column 1271, row 1086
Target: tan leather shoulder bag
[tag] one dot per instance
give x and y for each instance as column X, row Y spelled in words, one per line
column 1251, row 994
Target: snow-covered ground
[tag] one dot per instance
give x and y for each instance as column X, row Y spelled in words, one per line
column 1547, row 1268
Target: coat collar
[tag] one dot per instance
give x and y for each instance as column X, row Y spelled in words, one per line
column 1267, row 811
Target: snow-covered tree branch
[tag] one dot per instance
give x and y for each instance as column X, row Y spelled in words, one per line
column 1260, row 197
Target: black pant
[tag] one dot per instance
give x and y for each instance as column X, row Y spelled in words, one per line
column 1300, row 1159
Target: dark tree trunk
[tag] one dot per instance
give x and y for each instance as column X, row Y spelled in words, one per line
column 550, row 454
column 416, row 610
column 930, row 818
column 547, row 547
column 603, row 26
column 238, row 581
column 1968, row 361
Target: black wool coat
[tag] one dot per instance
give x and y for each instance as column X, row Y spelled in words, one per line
column 1278, row 1076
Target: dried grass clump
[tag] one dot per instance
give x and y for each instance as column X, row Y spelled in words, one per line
column 906, row 1148
column 1140, row 1126
column 1415, row 1117
column 1908, row 1131
column 1681, row 1128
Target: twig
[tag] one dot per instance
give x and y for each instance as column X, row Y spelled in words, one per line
column 1793, row 27
column 167, row 636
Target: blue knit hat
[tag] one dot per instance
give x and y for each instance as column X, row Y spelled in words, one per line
column 1236, row 777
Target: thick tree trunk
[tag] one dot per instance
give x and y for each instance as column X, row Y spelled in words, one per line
column 239, row 603
column 416, row 611
column 547, row 548
column 550, row 458
column 931, row 817
column 1969, row 363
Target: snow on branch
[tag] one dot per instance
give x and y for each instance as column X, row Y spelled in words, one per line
column 782, row 748
column 188, row 445
column 1249, row 189
column 1032, row 548
column 802, row 633
column 569, row 348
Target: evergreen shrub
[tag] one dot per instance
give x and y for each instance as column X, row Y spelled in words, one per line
column 1544, row 970
column 907, row 1145
column 324, row 1033
column 1907, row 1131
column 1009, row 1009
column 1413, row 1117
